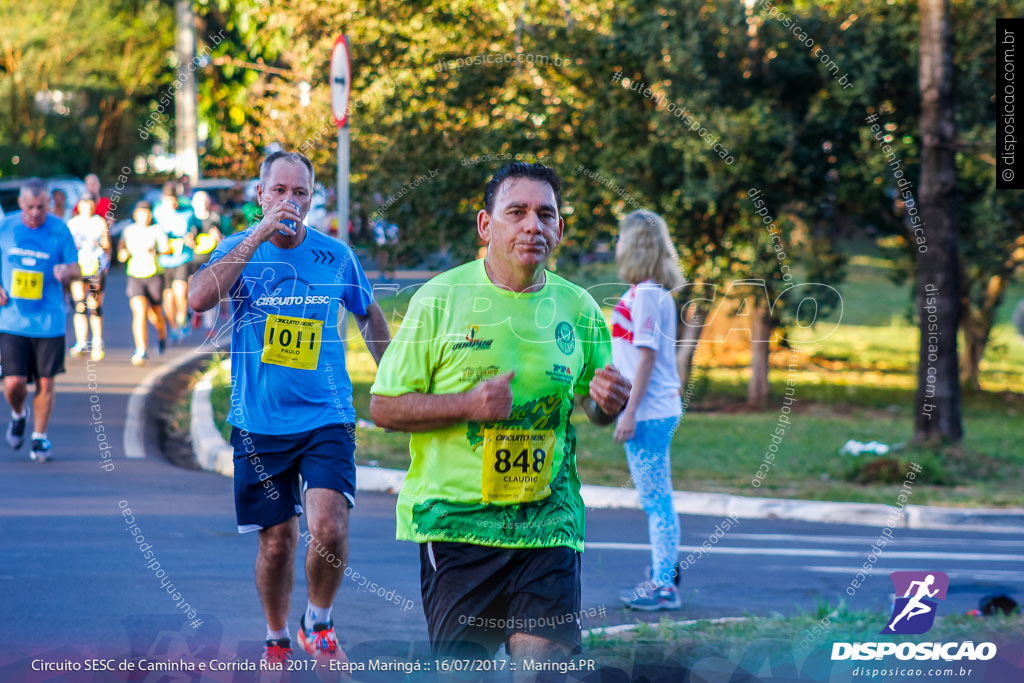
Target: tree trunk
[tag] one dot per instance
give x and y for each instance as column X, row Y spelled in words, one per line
column 937, row 293
column 687, row 341
column 976, row 334
column 977, row 323
column 977, row 326
column 760, row 346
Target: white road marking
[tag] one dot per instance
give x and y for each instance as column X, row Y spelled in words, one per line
column 818, row 552
column 861, row 540
column 960, row 574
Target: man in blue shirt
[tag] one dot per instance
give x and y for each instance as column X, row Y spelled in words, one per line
column 37, row 258
column 291, row 396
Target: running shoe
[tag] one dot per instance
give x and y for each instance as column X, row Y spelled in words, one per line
column 321, row 641
column 648, row 597
column 277, row 653
column 77, row 350
column 138, row 359
column 273, row 661
column 16, row 432
column 675, row 577
column 161, row 346
column 40, row 450
column 97, row 351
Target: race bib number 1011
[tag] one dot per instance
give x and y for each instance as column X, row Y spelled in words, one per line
column 292, row 342
column 517, row 465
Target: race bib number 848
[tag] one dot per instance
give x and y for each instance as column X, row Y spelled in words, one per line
column 517, row 465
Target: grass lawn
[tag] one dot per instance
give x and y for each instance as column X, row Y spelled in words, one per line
column 857, row 383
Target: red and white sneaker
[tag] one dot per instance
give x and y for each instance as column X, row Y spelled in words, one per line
column 321, row 641
column 273, row 661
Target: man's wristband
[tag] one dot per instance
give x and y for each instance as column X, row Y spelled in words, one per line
column 598, row 410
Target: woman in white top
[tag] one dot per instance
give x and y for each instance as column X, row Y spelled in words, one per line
column 92, row 239
column 643, row 348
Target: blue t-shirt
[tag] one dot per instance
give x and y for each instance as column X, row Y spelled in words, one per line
column 288, row 370
column 176, row 223
column 35, row 298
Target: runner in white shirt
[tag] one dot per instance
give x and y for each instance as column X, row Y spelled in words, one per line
column 141, row 244
column 92, row 239
column 643, row 348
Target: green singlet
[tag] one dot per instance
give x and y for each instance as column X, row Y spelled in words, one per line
column 513, row 483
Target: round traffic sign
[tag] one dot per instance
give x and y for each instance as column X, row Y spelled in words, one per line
column 341, row 80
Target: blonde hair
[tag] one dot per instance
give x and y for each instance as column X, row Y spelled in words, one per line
column 645, row 251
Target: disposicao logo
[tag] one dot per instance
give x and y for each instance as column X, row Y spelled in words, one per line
column 913, row 613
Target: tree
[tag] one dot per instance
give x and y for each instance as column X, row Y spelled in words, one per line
column 990, row 222
column 74, row 101
column 938, row 270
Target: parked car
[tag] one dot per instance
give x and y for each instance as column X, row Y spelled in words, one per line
column 9, row 195
column 72, row 187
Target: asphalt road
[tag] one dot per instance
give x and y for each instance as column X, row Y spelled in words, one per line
column 74, row 584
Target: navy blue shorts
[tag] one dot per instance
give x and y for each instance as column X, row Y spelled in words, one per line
column 267, row 469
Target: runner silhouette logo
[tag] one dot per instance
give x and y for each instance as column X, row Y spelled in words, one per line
column 914, row 612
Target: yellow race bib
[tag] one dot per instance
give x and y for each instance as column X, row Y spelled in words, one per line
column 89, row 263
column 205, row 243
column 517, row 465
column 292, row 342
column 27, row 284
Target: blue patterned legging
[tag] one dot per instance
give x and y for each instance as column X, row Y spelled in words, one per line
column 649, row 465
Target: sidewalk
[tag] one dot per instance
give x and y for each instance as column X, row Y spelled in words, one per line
column 215, row 455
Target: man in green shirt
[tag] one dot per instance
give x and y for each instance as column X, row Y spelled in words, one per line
column 483, row 372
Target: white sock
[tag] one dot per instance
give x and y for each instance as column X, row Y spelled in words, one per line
column 18, row 416
column 277, row 635
column 317, row 615
column 38, row 435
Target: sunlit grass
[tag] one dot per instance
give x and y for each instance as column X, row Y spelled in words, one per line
column 857, row 383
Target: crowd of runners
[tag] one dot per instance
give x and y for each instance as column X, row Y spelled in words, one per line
column 48, row 265
column 484, row 384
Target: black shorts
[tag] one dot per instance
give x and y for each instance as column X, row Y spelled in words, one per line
column 31, row 357
column 181, row 272
column 95, row 284
column 267, row 469
column 476, row 597
column 151, row 287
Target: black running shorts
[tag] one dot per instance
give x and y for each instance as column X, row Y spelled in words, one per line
column 150, row 287
column 476, row 597
column 31, row 357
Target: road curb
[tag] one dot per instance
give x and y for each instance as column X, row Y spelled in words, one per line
column 215, row 454
column 212, row 452
column 138, row 441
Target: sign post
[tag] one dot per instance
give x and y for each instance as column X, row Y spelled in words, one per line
column 341, row 89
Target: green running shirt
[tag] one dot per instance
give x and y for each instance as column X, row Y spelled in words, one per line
column 513, row 483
